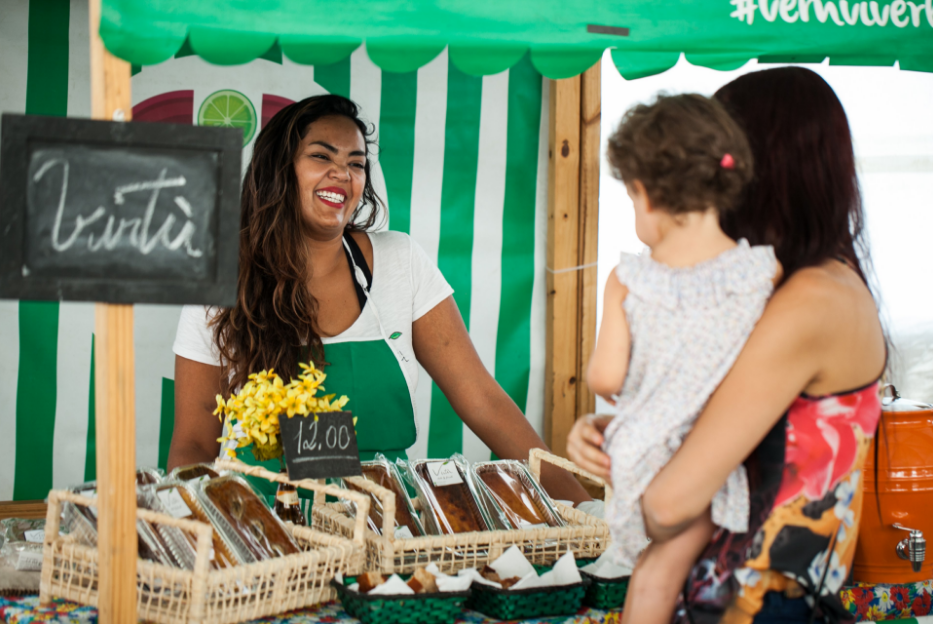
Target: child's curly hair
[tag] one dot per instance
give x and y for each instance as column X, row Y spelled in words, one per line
column 687, row 151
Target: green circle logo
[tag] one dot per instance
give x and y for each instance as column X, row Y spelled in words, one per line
column 229, row 109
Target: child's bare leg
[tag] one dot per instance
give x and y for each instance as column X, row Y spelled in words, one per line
column 660, row 574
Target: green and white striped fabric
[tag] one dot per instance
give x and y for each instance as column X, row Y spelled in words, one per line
column 462, row 164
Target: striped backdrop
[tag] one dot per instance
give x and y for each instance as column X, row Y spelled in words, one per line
column 462, row 163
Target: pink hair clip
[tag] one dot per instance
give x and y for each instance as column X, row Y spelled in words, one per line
column 727, row 162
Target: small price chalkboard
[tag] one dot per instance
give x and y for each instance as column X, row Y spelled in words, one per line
column 118, row 212
column 322, row 448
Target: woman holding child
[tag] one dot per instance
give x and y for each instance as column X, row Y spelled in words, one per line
column 800, row 404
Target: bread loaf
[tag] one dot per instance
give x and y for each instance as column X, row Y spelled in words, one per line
column 262, row 533
column 194, row 471
column 223, row 557
column 453, row 506
column 380, row 476
column 520, row 503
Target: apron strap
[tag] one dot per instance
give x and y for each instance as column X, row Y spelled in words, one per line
column 355, row 258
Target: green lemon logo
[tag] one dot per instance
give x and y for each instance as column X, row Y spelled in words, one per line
column 229, row 109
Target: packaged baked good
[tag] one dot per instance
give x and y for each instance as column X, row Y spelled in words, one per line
column 448, row 496
column 149, row 476
column 263, row 534
column 21, row 542
column 150, row 544
column 383, row 473
column 193, row 472
column 515, row 499
column 81, row 521
column 181, row 546
column 227, row 549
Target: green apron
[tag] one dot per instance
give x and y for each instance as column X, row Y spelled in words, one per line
column 368, row 373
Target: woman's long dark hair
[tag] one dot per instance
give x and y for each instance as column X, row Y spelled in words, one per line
column 804, row 199
column 275, row 314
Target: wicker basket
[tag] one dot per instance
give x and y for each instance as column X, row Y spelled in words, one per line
column 586, row 536
column 204, row 596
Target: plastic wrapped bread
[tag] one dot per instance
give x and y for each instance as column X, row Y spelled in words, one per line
column 264, row 534
column 385, row 474
column 166, row 498
column 448, row 496
column 193, row 472
column 78, row 520
column 227, row 550
column 515, row 496
column 21, row 542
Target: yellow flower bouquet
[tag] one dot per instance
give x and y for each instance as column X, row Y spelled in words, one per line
column 253, row 413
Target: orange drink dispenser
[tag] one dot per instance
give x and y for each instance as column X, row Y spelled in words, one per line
column 897, row 516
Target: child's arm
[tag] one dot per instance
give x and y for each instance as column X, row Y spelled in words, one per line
column 661, row 572
column 609, row 362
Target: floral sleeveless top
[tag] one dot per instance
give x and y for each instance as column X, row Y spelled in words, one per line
column 806, row 501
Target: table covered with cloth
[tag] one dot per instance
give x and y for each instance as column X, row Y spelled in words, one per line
column 26, row 610
column 891, row 604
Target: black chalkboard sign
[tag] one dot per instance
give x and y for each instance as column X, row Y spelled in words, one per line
column 322, row 448
column 118, row 212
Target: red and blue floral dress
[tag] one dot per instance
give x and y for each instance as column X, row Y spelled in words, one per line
column 806, row 503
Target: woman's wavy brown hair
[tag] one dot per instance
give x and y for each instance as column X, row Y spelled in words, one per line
column 275, row 315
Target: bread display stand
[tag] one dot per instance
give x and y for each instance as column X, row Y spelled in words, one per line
column 586, row 536
column 169, row 595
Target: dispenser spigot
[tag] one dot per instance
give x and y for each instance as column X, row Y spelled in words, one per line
column 912, row 548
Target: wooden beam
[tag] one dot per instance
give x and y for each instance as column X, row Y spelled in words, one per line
column 114, row 385
column 561, row 367
column 573, row 221
column 30, row 509
column 590, row 106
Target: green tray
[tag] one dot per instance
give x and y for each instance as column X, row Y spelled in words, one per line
column 605, row 593
column 522, row 604
column 439, row 608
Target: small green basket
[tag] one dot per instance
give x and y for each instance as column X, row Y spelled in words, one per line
column 605, row 593
column 523, row 604
column 437, row 608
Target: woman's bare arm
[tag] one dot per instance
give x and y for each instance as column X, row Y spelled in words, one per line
column 443, row 346
column 807, row 338
column 194, row 438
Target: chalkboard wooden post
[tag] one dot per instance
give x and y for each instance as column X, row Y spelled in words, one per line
column 115, row 384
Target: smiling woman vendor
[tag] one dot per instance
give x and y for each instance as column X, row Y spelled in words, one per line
column 313, row 280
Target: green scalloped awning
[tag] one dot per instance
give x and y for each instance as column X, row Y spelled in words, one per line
column 564, row 37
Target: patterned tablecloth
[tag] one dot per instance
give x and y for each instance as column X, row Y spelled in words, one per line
column 27, row 611
column 869, row 603
column 889, row 602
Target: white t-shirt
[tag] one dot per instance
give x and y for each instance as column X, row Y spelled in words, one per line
column 406, row 285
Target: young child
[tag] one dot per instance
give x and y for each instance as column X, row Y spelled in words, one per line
column 674, row 321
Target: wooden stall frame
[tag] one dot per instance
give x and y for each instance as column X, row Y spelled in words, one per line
column 573, row 221
column 30, row 509
column 114, row 383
